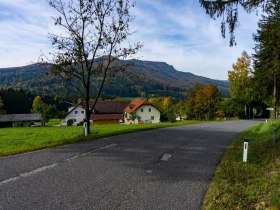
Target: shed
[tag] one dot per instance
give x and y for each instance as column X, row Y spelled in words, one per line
column 20, row 120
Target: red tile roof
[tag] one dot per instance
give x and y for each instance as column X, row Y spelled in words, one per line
column 135, row 104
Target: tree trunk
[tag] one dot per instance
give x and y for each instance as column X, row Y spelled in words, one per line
column 245, row 111
column 275, row 100
column 87, row 115
column 249, row 113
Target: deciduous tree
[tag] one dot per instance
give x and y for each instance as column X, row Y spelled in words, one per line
column 180, row 110
column 203, row 100
column 240, row 81
column 166, row 103
column 91, row 45
column 46, row 111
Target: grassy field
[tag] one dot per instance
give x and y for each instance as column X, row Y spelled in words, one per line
column 19, row 140
column 251, row 185
column 53, row 122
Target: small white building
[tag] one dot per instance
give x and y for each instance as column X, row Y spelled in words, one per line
column 75, row 113
column 141, row 111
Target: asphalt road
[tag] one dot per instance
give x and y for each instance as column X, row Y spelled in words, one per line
column 167, row 168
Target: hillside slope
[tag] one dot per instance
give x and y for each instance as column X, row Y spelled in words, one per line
column 151, row 78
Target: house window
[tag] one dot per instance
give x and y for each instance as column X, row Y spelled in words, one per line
column 76, row 112
column 150, row 110
column 142, row 110
column 152, row 117
column 82, row 112
column 75, row 120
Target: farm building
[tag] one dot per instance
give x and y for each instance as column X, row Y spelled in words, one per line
column 109, row 112
column 20, row 120
column 105, row 112
column 115, row 112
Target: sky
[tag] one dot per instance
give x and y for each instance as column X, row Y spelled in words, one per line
column 177, row 32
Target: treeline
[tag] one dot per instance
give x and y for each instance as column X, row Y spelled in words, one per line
column 20, row 102
column 203, row 102
column 16, row 101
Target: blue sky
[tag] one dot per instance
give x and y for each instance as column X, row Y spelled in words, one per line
column 176, row 32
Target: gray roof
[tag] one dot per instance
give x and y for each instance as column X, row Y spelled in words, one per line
column 20, row 117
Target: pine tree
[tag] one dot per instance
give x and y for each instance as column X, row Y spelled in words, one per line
column 267, row 55
column 2, row 111
column 228, row 12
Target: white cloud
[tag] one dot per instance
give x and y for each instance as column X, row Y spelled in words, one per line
column 24, row 31
column 178, row 33
column 198, row 46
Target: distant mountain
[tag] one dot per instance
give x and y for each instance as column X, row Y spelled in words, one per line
column 146, row 77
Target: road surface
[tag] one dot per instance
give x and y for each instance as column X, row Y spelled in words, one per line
column 166, row 168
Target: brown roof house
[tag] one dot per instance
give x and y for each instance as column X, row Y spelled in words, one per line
column 20, row 120
column 109, row 112
column 105, row 112
column 141, row 111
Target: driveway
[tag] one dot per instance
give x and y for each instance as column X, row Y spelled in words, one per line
column 166, row 168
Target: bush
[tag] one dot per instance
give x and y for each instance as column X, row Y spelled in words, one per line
column 70, row 122
column 81, row 123
column 171, row 117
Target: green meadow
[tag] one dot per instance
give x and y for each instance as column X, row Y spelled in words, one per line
column 251, row 185
column 19, row 140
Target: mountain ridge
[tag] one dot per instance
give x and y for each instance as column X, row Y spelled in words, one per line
column 152, row 78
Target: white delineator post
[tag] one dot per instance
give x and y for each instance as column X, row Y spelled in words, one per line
column 85, row 129
column 245, row 150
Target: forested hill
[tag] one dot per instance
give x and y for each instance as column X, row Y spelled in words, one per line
column 151, row 78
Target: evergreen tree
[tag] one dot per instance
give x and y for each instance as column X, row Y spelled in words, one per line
column 240, row 82
column 2, row 111
column 13, row 98
column 267, row 56
column 228, row 11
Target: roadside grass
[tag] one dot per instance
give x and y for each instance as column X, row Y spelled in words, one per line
column 251, row 185
column 19, row 140
column 53, row 122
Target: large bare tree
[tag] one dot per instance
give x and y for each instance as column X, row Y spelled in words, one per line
column 91, row 45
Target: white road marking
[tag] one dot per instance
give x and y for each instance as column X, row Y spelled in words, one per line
column 149, row 171
column 73, row 158
column 107, row 146
column 44, row 168
column 165, row 157
column 101, row 148
column 27, row 174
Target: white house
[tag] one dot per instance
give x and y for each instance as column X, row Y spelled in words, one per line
column 75, row 113
column 143, row 112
